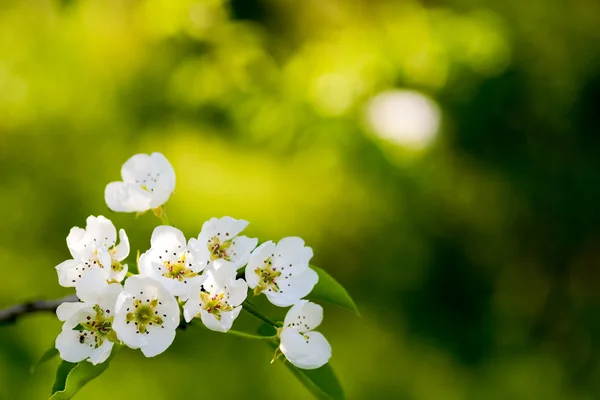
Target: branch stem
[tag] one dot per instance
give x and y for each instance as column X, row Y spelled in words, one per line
column 12, row 313
column 251, row 309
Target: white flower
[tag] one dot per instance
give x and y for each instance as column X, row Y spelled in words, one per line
column 281, row 271
column 219, row 240
column 146, row 315
column 94, row 248
column 170, row 262
column 302, row 346
column 148, row 181
column 219, row 304
column 87, row 333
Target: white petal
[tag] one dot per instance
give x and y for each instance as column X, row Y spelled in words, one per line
column 153, row 172
column 90, row 285
column 101, row 231
column 158, row 340
column 304, row 316
column 119, row 276
column 122, row 249
column 192, row 306
column 199, row 252
column 257, row 260
column 107, row 298
column 127, row 197
column 100, row 354
column 294, row 288
column 105, row 259
column 75, row 240
column 240, row 250
column 292, row 256
column 126, row 332
column 238, row 290
column 68, row 272
column 224, row 228
column 67, row 344
column 308, row 351
column 222, row 325
column 67, row 310
column 167, row 237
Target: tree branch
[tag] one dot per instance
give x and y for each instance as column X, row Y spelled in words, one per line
column 12, row 313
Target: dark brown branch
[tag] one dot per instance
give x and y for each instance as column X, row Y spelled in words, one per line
column 12, row 313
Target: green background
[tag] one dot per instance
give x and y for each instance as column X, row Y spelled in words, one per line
column 475, row 261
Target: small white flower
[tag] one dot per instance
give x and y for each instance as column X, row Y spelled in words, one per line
column 170, row 262
column 302, row 346
column 219, row 240
column 148, row 181
column 146, row 315
column 281, row 271
column 87, row 333
column 219, row 304
column 94, row 248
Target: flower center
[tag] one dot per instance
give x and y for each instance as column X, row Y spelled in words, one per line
column 177, row 270
column 97, row 328
column 215, row 304
column 267, row 275
column 218, row 249
column 144, row 315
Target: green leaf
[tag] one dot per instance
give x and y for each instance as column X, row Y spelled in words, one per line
column 321, row 382
column 331, row 291
column 70, row 378
column 64, row 368
column 47, row 356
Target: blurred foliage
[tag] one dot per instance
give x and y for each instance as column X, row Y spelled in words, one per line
column 475, row 262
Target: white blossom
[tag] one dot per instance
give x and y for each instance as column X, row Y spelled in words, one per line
column 219, row 304
column 281, row 271
column 94, row 248
column 219, row 240
column 170, row 262
column 147, row 315
column 300, row 344
column 87, row 332
column 148, row 182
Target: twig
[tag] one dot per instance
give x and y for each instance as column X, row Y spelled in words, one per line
column 12, row 313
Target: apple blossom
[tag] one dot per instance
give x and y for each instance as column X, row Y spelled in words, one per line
column 148, row 181
column 302, row 346
column 147, row 315
column 170, row 262
column 94, row 248
column 281, row 271
column 219, row 240
column 87, row 332
column 218, row 301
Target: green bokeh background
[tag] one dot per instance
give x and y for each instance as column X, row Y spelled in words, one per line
column 475, row 261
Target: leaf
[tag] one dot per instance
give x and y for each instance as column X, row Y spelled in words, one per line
column 64, row 368
column 70, row 378
column 321, row 382
column 331, row 291
column 47, row 356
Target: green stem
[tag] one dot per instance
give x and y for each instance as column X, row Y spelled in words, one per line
column 250, row 336
column 251, row 308
column 165, row 218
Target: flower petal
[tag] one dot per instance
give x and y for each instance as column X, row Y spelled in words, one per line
column 307, row 351
column 69, row 272
column 293, row 288
column 122, row 249
column 304, row 316
column 69, row 347
column 67, row 310
column 102, row 353
column 127, row 197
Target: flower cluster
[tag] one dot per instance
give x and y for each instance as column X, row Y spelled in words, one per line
column 207, row 277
